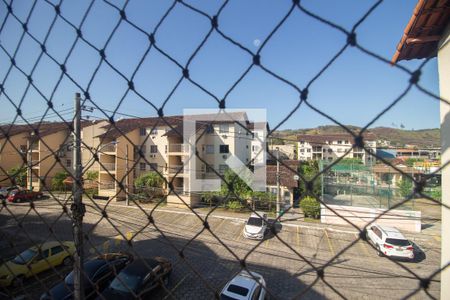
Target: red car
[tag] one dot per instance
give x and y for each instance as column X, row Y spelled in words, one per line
column 24, row 195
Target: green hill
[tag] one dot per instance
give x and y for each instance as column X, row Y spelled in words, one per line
column 422, row 138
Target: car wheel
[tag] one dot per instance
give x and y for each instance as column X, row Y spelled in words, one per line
column 17, row 282
column 379, row 253
column 67, row 261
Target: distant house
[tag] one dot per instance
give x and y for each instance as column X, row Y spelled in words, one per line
column 288, row 182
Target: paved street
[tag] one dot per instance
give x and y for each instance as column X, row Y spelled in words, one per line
column 288, row 261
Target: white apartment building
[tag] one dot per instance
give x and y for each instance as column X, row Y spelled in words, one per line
column 332, row 146
column 164, row 148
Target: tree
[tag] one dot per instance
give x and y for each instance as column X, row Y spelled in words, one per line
column 308, row 169
column 405, row 186
column 91, row 175
column 58, row 181
column 240, row 188
column 18, row 175
column 149, row 180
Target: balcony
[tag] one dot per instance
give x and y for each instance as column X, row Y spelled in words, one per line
column 107, row 185
column 178, row 148
column 108, row 148
column 107, row 167
column 174, row 169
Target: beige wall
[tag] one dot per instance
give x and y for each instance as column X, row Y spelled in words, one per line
column 89, row 141
column 444, row 86
column 10, row 157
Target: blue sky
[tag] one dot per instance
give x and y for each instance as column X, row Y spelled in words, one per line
column 353, row 90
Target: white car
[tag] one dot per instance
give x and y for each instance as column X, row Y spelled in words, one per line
column 390, row 242
column 4, row 192
column 256, row 226
column 244, row 286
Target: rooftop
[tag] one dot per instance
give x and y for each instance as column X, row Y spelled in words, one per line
column 424, row 30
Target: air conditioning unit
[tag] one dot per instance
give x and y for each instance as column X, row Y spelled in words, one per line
column 224, row 156
column 224, row 136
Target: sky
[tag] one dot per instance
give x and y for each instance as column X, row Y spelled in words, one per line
column 353, row 90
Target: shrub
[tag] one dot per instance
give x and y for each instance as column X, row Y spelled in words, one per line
column 58, row 181
column 235, row 205
column 18, row 175
column 310, row 207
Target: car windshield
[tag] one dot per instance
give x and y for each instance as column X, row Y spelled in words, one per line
column 239, row 290
column 126, row 282
column 398, row 242
column 25, row 257
column 255, row 222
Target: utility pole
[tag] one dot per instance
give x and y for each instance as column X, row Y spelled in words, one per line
column 127, row 198
column 30, row 165
column 77, row 206
column 278, row 182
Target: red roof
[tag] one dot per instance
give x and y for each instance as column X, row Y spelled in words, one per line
column 286, row 175
column 424, row 30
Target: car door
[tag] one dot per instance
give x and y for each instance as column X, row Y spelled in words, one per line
column 39, row 263
column 57, row 255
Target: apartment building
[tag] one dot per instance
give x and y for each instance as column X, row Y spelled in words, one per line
column 136, row 146
column 333, row 146
column 44, row 149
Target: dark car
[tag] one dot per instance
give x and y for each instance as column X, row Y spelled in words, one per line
column 139, row 279
column 23, row 195
column 98, row 274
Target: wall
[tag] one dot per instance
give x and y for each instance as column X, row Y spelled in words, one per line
column 444, row 87
column 402, row 219
column 10, row 157
column 89, row 140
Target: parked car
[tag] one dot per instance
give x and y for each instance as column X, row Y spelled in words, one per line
column 35, row 260
column 256, row 226
column 23, row 195
column 98, row 274
column 390, row 242
column 4, row 191
column 139, row 279
column 245, row 286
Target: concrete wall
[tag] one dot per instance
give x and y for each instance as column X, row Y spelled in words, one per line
column 89, row 141
column 444, row 87
column 402, row 219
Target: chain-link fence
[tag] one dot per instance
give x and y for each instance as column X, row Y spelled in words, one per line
column 104, row 208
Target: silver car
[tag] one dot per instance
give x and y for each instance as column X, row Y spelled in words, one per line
column 256, row 226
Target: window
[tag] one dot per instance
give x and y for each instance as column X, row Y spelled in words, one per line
column 339, row 142
column 224, row 149
column 142, row 166
column 209, row 129
column 308, row 150
column 209, row 168
column 68, row 163
column 330, row 150
column 153, row 166
column 255, row 148
column 222, row 169
column 302, row 150
column 142, row 132
column 209, row 149
column 56, row 250
column 153, row 148
column 223, row 128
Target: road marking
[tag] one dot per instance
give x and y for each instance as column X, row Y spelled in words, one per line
column 437, row 238
column 363, row 245
column 329, row 242
column 298, row 237
column 267, row 243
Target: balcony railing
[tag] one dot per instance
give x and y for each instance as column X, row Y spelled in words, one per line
column 178, row 148
column 172, row 169
column 107, row 166
column 108, row 148
column 107, row 185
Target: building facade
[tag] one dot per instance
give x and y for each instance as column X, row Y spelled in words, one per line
column 333, row 146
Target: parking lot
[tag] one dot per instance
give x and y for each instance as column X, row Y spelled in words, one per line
column 288, row 261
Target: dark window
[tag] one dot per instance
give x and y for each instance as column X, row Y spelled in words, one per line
column 224, row 149
column 153, row 149
column 56, row 250
column 209, row 129
column 236, row 289
column 142, row 131
column 256, row 293
column 398, row 242
column 142, row 166
column 153, row 166
column 68, row 163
